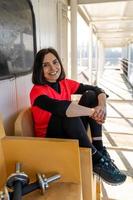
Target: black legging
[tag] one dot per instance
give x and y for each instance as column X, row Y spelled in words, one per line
column 76, row 127
column 89, row 99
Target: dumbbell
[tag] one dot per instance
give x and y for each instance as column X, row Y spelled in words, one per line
column 42, row 183
column 17, row 181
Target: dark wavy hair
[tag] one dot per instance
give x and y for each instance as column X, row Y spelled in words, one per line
column 37, row 75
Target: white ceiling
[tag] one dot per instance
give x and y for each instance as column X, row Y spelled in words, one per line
column 112, row 21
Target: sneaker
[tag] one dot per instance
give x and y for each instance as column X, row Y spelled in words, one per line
column 108, row 172
column 105, row 154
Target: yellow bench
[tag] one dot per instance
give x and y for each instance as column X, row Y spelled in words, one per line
column 91, row 187
column 48, row 156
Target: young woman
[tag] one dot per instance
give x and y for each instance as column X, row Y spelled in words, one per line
column 57, row 116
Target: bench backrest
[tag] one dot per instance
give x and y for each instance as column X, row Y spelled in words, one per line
column 24, row 123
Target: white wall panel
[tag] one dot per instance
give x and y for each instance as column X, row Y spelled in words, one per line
column 8, row 104
column 46, row 22
column 63, row 33
column 14, row 97
column 51, row 26
column 35, row 4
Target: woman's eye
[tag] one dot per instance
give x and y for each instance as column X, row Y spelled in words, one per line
column 44, row 65
column 55, row 62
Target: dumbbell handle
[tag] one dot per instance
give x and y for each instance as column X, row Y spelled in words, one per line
column 30, row 188
column 17, row 194
column 36, row 185
column 53, row 178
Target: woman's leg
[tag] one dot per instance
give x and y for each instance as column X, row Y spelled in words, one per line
column 71, row 128
column 104, row 167
column 89, row 99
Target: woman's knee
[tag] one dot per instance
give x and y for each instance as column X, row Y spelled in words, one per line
column 89, row 99
column 75, row 129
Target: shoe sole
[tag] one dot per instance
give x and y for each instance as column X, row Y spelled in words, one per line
column 113, row 184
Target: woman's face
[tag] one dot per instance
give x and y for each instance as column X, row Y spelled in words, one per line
column 51, row 68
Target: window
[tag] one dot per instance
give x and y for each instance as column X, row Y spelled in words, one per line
column 17, row 38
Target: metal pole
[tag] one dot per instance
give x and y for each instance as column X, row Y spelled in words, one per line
column 73, row 4
column 90, row 53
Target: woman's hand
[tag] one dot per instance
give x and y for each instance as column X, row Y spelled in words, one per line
column 100, row 114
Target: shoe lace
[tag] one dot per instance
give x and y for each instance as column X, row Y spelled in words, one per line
column 108, row 165
column 106, row 154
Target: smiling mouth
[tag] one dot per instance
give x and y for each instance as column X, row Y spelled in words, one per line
column 53, row 73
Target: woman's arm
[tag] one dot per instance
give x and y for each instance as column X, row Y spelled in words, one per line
column 56, row 107
column 98, row 113
column 76, row 110
column 100, row 110
column 62, row 107
column 82, row 88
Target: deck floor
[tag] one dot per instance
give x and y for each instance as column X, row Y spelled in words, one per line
column 118, row 131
